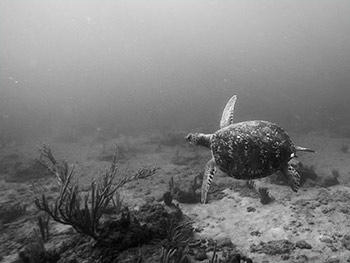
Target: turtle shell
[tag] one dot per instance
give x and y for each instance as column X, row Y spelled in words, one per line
column 251, row 149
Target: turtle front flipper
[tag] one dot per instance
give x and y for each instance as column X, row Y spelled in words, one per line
column 227, row 115
column 293, row 177
column 210, row 170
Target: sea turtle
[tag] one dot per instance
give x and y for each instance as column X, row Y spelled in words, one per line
column 247, row 150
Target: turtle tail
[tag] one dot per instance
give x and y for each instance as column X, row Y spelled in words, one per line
column 303, row 149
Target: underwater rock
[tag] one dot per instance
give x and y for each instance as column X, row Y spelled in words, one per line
column 250, row 209
column 346, row 241
column 328, row 209
column 168, row 198
column 223, row 250
column 200, row 255
column 224, row 242
column 10, row 212
column 26, row 171
column 134, row 229
column 133, row 236
column 274, row 247
column 333, row 259
column 238, row 258
column 345, row 209
column 331, row 180
column 256, row 233
column 302, row 244
column 32, row 254
column 344, row 148
column 188, row 196
column 326, row 239
column 122, row 234
column 275, row 233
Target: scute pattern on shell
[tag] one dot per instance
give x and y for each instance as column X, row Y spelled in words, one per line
column 251, row 149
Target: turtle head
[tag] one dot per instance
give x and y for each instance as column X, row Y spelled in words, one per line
column 198, row 139
column 192, row 138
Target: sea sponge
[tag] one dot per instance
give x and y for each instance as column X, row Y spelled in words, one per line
column 265, row 197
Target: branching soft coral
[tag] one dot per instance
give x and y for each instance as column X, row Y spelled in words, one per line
column 73, row 208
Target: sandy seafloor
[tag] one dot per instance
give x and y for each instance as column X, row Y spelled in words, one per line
column 318, row 215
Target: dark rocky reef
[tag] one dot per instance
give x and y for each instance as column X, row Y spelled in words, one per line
column 132, row 234
column 190, row 195
column 223, row 251
column 133, row 229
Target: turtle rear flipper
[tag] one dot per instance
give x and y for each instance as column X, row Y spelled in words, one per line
column 210, row 170
column 293, row 177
